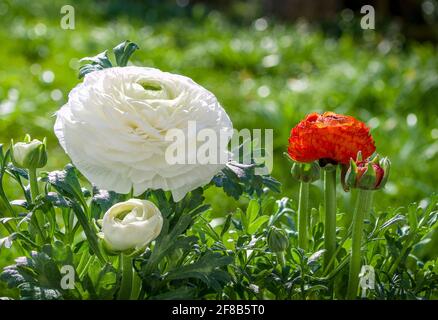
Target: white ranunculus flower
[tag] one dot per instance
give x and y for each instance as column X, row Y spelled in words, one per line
column 114, row 125
column 132, row 224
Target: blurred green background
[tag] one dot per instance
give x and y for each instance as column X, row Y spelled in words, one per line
column 268, row 65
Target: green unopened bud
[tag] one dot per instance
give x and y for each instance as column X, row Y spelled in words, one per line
column 278, row 240
column 367, row 174
column 30, row 154
column 305, row 172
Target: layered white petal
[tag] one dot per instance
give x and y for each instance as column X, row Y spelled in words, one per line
column 132, row 224
column 114, row 125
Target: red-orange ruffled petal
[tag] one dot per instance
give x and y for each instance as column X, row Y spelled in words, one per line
column 331, row 136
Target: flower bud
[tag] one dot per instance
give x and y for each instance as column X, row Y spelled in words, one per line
column 278, row 240
column 30, row 154
column 367, row 174
column 131, row 225
column 304, row 172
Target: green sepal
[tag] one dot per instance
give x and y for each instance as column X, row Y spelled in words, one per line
column 385, row 164
column 368, row 179
column 351, row 175
column 131, row 253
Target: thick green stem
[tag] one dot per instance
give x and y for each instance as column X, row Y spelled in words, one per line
column 33, row 184
column 330, row 215
column 303, row 216
column 281, row 259
column 34, row 192
column 127, row 277
column 363, row 205
column 136, row 286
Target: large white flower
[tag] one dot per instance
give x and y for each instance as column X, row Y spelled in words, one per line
column 114, row 128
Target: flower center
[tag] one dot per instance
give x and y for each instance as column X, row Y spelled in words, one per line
column 151, row 86
column 129, row 216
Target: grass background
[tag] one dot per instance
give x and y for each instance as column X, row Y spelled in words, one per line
column 266, row 74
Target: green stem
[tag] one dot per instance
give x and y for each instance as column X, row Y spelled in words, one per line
column 85, row 266
column 363, row 205
column 302, row 216
column 281, row 259
column 136, row 286
column 89, row 233
column 407, row 245
column 127, row 277
column 338, row 268
column 330, row 215
column 338, row 249
column 33, row 184
column 34, row 192
column 130, row 195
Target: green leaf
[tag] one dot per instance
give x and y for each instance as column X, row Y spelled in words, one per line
column 237, row 178
column 88, row 68
column 103, row 200
column 396, row 219
column 167, row 241
column 100, row 59
column 101, row 280
column 98, row 62
column 123, row 52
column 257, row 223
column 36, row 276
column 253, row 210
column 413, row 210
column 226, row 225
column 205, row 269
column 426, row 249
column 57, row 200
column 180, row 293
column 17, row 172
column 67, row 183
column 89, row 232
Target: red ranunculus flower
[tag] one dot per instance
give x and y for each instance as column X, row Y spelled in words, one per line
column 330, row 136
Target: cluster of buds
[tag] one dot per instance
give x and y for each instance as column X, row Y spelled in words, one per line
column 366, row 174
column 30, row 154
